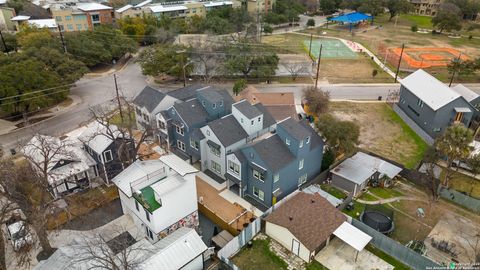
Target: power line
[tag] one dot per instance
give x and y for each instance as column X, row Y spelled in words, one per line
column 29, row 93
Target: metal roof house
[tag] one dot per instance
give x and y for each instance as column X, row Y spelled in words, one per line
column 429, row 106
column 159, row 195
column 354, row 173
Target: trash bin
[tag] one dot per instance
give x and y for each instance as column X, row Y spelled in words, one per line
column 379, row 98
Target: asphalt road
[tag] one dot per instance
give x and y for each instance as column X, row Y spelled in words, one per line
column 101, row 90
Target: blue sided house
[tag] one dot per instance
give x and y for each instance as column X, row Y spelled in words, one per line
column 179, row 126
column 270, row 168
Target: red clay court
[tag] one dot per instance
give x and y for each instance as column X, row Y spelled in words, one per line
column 425, row 57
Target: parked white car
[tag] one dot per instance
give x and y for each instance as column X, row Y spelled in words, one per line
column 18, row 234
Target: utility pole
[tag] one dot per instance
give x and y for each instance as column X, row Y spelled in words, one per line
column 3, row 41
column 184, row 75
column 318, row 65
column 399, row 61
column 118, row 97
column 310, row 47
column 63, row 41
column 455, row 69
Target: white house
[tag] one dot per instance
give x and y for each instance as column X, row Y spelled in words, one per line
column 160, row 195
column 304, row 224
column 68, row 166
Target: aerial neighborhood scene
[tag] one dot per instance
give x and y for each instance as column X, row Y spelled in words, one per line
column 239, row 134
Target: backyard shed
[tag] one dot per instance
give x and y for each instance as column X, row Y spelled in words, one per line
column 304, row 224
column 354, row 173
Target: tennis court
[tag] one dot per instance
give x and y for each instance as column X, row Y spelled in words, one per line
column 331, row 48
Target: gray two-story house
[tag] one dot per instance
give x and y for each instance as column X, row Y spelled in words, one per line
column 429, row 106
column 148, row 103
column 269, row 169
column 179, row 125
column 225, row 135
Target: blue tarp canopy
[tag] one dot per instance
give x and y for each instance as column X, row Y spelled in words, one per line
column 353, row 17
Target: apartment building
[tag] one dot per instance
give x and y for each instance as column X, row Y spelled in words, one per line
column 426, row 7
column 81, row 16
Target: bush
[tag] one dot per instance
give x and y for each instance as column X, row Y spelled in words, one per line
column 374, row 72
column 434, row 32
column 470, row 37
column 311, row 22
column 414, row 28
column 239, row 86
column 267, row 29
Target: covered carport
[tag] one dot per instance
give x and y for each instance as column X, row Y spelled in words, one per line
column 353, row 237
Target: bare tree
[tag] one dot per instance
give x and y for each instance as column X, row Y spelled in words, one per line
column 296, row 68
column 430, row 159
column 22, row 185
column 205, row 53
column 119, row 253
column 316, row 100
column 123, row 134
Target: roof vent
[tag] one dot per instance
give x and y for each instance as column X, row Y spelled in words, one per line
column 290, row 218
column 312, row 201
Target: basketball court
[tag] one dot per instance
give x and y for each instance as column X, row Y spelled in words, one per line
column 331, row 48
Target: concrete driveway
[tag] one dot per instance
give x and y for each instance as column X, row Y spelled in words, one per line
column 339, row 255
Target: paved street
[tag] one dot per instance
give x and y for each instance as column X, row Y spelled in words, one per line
column 100, row 90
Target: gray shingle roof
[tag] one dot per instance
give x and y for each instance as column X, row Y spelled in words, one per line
column 186, row 93
column 228, row 130
column 247, row 109
column 192, row 112
column 274, row 152
column 295, row 129
column 268, row 119
column 149, row 98
column 211, row 95
column 197, row 134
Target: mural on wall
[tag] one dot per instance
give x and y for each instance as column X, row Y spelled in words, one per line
column 190, row 221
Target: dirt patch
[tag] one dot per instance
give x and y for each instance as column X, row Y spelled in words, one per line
column 380, row 131
column 358, row 70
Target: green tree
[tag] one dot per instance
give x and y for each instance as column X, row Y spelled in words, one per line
column 454, row 144
column 32, row 37
column 10, row 41
column 474, row 163
column 18, row 5
column 447, row 18
column 341, row 136
column 328, row 159
column 373, row 7
column 86, row 49
column 267, row 28
column 311, row 22
column 238, row 86
column 396, row 7
column 469, row 8
column 328, row 6
column 165, row 59
column 430, row 159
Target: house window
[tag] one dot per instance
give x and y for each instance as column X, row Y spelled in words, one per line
column 258, row 193
column 300, row 164
column 437, row 129
column 221, row 103
column 208, row 132
column 136, row 205
column 287, row 141
column 276, row 177
column 308, row 140
column 68, row 18
column 301, row 144
column 107, row 156
column 161, row 124
column 253, row 122
column 203, row 103
column 147, row 214
column 302, row 179
column 58, row 18
column 258, row 175
column 215, row 151
column 193, row 144
column 216, row 167
column 95, row 18
column 241, row 120
column 420, row 102
column 233, row 167
column 181, row 145
column 70, row 27
column 259, row 119
column 214, row 105
column 180, row 130
column 79, row 27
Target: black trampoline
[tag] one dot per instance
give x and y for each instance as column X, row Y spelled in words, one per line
column 378, row 218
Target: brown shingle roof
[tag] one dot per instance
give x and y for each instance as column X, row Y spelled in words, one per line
column 310, row 217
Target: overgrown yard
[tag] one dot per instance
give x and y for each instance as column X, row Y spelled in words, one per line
column 82, row 203
column 385, row 193
column 333, row 191
column 250, row 258
column 464, row 183
column 382, row 131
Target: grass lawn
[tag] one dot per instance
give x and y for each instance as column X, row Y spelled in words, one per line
column 368, row 197
column 314, row 265
column 389, row 259
column 382, row 131
column 259, row 255
column 287, row 43
column 464, row 183
column 333, row 191
column 385, row 193
column 420, row 21
column 356, row 211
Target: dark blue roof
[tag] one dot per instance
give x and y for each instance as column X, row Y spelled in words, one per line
column 353, row 17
